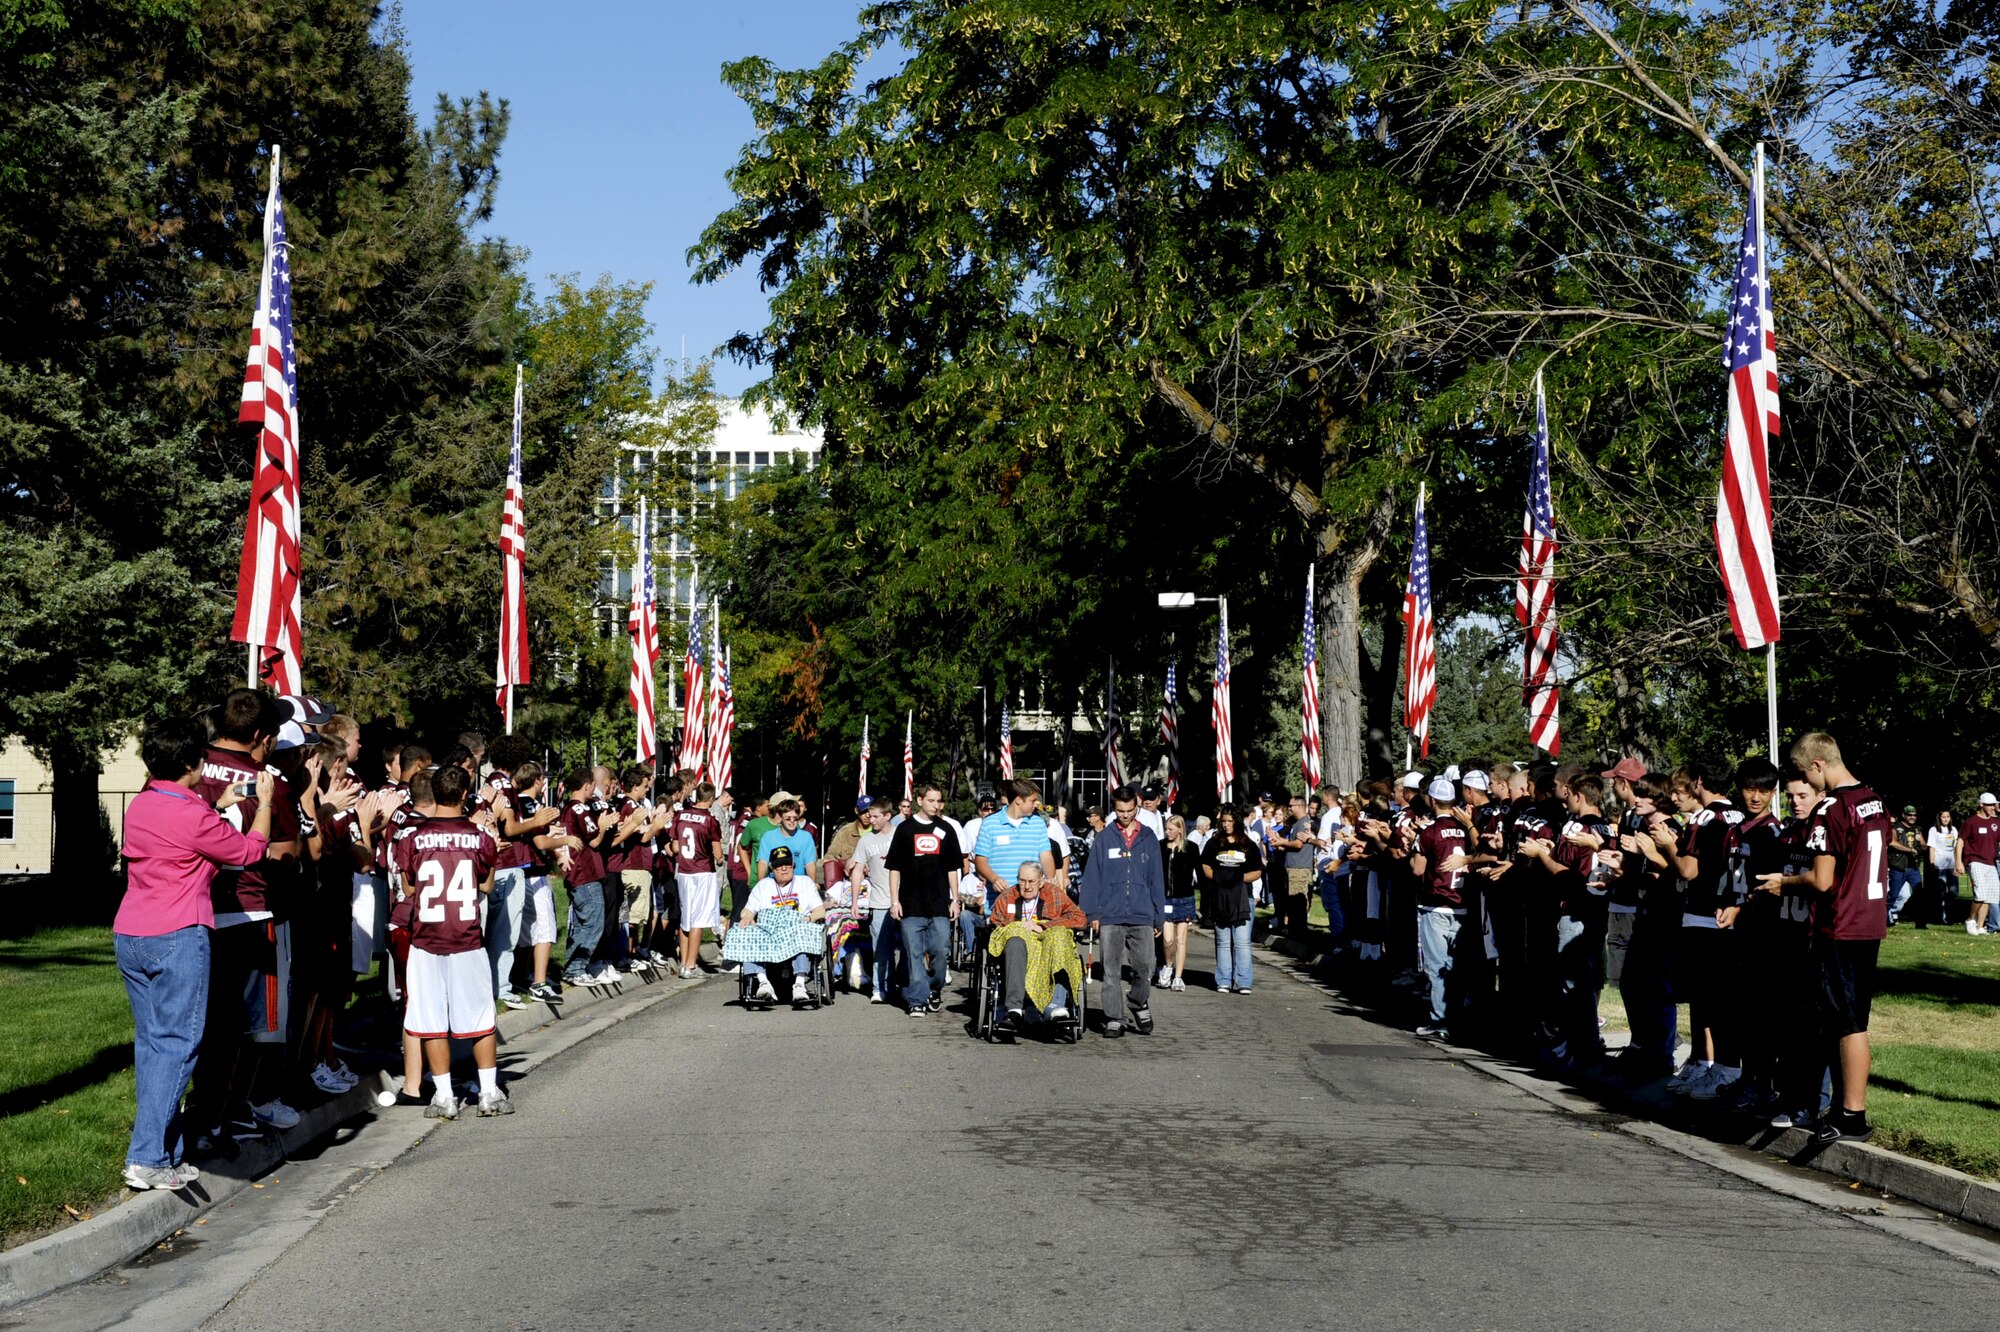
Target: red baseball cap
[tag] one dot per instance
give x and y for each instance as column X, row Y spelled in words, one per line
column 1628, row 768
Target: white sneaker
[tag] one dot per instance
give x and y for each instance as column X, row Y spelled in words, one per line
column 329, row 1082
column 639, row 964
column 1058, row 1014
column 605, row 976
column 689, row 973
column 1715, row 1083
column 1179, row 984
column 276, row 1114
column 764, row 990
column 1164, row 976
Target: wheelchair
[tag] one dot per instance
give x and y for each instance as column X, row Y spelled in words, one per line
column 987, row 979
column 783, row 981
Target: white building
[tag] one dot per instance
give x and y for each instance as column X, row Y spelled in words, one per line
column 746, row 441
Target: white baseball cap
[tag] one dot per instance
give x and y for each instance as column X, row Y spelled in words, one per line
column 1451, row 771
column 1476, row 780
column 1413, row 781
column 1989, row 799
column 1443, row 788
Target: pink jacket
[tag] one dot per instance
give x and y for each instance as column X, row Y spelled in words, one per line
column 174, row 843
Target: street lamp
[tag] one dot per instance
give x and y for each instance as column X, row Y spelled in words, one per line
column 1187, row 601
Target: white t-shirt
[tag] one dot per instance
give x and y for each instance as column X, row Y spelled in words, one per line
column 871, row 854
column 1155, row 820
column 799, row 895
column 1943, row 843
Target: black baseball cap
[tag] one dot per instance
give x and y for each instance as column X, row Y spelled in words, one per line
column 781, row 855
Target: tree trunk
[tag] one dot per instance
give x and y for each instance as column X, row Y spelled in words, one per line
column 1339, row 615
column 1385, row 723
column 82, row 857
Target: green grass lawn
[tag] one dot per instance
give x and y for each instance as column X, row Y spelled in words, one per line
column 65, row 1078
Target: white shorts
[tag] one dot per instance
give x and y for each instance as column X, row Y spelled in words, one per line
column 371, row 919
column 541, row 912
column 701, row 900
column 451, row 994
column 1986, row 884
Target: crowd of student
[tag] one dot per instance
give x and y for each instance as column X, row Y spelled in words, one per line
column 264, row 879
column 1506, row 890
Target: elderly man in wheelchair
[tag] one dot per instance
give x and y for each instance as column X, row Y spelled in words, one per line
column 780, row 926
column 1034, row 938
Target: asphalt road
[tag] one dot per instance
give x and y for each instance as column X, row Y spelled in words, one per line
column 1261, row 1161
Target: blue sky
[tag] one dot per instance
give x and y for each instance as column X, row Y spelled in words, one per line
column 621, row 133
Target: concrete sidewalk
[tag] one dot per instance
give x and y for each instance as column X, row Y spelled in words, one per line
column 142, row 1220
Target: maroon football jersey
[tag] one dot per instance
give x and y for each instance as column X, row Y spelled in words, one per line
column 515, row 853
column 1436, row 844
column 580, row 820
column 1852, row 826
column 445, row 861
column 632, row 853
column 1981, row 834
column 250, row 888
column 695, row 833
column 392, row 823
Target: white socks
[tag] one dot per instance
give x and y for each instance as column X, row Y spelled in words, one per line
column 489, row 1081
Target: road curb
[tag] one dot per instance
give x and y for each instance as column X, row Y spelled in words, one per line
column 1949, row 1192
column 43, row 1266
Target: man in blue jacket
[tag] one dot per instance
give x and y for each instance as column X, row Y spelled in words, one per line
column 1125, row 895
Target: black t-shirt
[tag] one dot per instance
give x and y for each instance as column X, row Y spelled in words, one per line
column 1231, row 859
column 924, row 854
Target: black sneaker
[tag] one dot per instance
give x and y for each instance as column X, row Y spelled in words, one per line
column 1113, row 1030
column 405, row 1100
column 1841, row 1124
column 1142, row 1021
column 936, row 1005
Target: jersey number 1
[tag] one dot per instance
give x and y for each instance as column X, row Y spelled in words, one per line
column 434, row 892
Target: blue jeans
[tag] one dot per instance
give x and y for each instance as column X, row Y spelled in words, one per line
column 503, row 924
column 925, row 934
column 166, row 980
column 1330, row 887
column 586, row 928
column 1903, row 884
column 969, row 922
column 882, row 946
column 801, row 966
column 1232, row 956
column 1437, row 931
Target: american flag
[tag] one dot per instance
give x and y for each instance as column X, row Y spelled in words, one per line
column 1309, row 758
column 513, row 665
column 643, row 622
column 267, row 581
column 1170, row 732
column 1535, row 592
column 1743, row 501
column 1225, row 763
column 909, row 757
column 1114, row 765
column 721, row 707
column 1419, row 637
column 1006, row 745
column 867, row 752
column 694, row 738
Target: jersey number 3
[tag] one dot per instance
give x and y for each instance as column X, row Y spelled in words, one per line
column 434, row 892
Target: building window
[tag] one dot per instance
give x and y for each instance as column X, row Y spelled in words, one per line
column 761, row 459
column 742, row 458
column 7, row 810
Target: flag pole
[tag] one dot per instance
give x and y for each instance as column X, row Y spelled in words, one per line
column 1770, row 648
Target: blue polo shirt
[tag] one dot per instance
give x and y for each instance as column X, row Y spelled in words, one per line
column 801, row 842
column 1009, row 843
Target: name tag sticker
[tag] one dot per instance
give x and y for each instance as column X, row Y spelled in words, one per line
column 1003, row 839
column 1116, row 852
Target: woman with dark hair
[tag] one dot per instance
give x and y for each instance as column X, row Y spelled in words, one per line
column 174, row 844
column 1230, row 863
